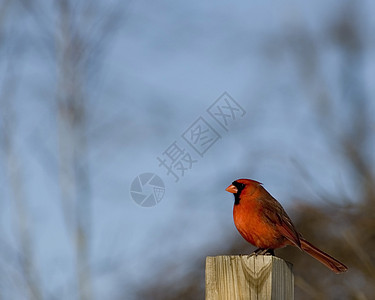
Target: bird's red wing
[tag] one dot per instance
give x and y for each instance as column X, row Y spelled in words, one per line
column 290, row 233
column 276, row 215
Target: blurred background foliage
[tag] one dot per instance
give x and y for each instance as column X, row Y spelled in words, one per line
column 90, row 93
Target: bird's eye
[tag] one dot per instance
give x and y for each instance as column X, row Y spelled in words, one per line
column 240, row 186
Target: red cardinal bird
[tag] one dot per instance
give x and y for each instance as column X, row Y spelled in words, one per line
column 263, row 222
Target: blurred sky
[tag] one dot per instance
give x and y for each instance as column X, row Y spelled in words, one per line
column 166, row 64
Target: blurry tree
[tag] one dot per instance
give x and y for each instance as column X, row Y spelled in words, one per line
column 71, row 36
column 21, row 260
column 345, row 226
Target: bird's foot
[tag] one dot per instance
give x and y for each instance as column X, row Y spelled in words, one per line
column 268, row 252
column 261, row 251
column 256, row 252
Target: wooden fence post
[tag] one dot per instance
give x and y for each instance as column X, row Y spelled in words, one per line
column 240, row 277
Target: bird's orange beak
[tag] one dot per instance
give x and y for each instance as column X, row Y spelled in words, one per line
column 231, row 189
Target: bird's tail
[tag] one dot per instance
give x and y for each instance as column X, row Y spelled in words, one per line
column 323, row 257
